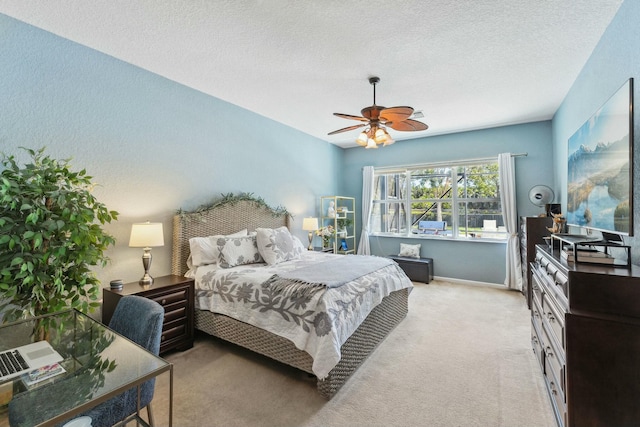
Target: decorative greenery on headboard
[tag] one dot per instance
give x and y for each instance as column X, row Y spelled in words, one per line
column 232, row 199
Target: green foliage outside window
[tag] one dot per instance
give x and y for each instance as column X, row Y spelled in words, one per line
column 464, row 196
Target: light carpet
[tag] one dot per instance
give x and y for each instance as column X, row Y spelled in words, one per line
column 462, row 357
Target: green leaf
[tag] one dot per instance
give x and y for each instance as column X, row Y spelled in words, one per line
column 50, row 236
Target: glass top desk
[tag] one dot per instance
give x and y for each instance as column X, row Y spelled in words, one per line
column 99, row 364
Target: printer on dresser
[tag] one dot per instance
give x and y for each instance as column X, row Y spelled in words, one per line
column 586, row 336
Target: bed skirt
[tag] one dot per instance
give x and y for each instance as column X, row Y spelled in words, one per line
column 373, row 330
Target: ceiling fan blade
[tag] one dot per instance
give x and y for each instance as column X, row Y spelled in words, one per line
column 350, row 117
column 408, row 125
column 347, row 129
column 396, row 114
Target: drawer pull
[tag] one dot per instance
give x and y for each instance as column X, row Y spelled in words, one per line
column 162, row 338
column 549, row 352
column 164, row 301
column 552, row 386
column 550, row 317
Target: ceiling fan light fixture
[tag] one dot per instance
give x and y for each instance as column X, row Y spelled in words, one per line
column 382, row 137
column 371, row 144
column 362, row 139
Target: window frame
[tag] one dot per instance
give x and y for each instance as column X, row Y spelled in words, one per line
column 407, row 202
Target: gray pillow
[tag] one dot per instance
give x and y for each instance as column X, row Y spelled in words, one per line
column 410, row 251
column 277, row 245
column 238, row 251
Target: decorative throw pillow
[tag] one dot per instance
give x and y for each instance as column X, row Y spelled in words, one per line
column 277, row 245
column 238, row 251
column 204, row 250
column 411, row 251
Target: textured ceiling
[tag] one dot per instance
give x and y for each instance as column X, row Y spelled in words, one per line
column 465, row 64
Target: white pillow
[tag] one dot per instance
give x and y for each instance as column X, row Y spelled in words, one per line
column 298, row 243
column 410, row 251
column 204, row 250
column 277, row 245
column 238, row 251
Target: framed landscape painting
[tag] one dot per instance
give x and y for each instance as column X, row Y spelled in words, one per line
column 599, row 181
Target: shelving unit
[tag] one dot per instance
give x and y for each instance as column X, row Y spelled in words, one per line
column 343, row 221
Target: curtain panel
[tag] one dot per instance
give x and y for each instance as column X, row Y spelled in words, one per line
column 506, row 167
column 367, row 205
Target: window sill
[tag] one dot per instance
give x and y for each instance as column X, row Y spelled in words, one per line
column 441, row 237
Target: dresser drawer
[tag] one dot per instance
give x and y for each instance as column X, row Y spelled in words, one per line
column 554, row 319
column 536, row 315
column 554, row 363
column 536, row 289
column 537, row 344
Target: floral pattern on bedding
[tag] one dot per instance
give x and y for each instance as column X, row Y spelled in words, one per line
column 317, row 322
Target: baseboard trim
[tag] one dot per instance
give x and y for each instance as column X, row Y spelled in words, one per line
column 470, row 282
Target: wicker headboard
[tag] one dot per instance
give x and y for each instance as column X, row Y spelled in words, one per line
column 225, row 219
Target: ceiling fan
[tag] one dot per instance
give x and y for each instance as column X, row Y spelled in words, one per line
column 377, row 118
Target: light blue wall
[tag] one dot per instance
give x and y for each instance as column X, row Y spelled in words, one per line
column 615, row 59
column 476, row 260
column 153, row 145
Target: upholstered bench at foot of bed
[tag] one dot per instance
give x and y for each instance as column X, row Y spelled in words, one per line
column 417, row 269
column 373, row 330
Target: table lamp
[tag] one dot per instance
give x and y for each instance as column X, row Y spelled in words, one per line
column 310, row 225
column 146, row 235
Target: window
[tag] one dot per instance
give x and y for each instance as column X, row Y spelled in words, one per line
column 460, row 200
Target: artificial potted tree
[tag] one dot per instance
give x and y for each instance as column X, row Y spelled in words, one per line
column 50, row 237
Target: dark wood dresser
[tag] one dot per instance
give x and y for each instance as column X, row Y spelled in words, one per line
column 532, row 232
column 175, row 294
column 586, row 335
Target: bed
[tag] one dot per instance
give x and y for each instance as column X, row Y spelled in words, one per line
column 228, row 218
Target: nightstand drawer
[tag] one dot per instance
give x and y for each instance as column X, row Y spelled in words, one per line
column 173, row 332
column 170, row 297
column 177, row 312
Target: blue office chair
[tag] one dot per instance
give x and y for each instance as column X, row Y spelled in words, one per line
column 140, row 320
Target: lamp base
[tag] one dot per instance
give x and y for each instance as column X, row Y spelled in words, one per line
column 146, row 263
column 146, row 280
column 310, row 240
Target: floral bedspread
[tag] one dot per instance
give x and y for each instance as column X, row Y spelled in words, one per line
column 317, row 322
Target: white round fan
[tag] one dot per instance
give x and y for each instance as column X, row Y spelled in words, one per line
column 540, row 195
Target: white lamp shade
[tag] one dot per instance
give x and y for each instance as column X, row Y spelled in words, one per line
column 310, row 224
column 146, row 235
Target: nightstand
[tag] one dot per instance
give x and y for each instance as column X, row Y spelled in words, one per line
column 321, row 249
column 175, row 294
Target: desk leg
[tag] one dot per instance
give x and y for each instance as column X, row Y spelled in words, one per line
column 171, row 395
column 138, row 402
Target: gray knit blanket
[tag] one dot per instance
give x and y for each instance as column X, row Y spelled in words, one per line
column 327, row 274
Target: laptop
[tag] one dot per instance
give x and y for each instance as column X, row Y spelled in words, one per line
column 26, row 358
